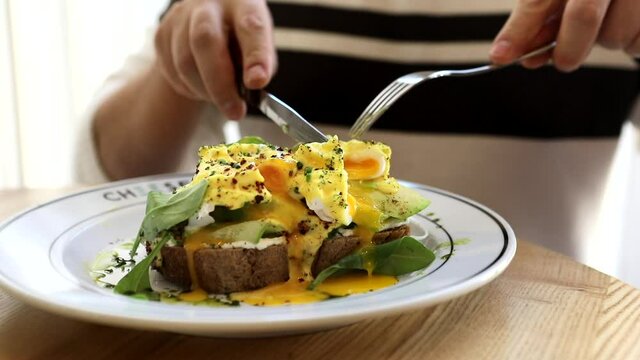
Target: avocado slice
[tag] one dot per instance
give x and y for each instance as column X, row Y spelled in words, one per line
column 251, row 231
column 404, row 203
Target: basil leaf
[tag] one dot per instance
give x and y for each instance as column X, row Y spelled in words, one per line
column 166, row 210
column 397, row 257
column 401, row 257
column 252, row 140
column 137, row 280
column 156, row 199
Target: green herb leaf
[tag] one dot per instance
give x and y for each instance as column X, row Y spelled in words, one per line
column 224, row 214
column 252, row 140
column 137, row 280
column 395, row 258
column 166, row 210
column 156, row 199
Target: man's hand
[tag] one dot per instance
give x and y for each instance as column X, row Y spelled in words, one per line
column 576, row 25
column 193, row 41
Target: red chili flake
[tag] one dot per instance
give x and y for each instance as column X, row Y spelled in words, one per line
column 234, row 181
column 304, row 227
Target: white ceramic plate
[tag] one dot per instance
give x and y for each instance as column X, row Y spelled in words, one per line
column 45, row 252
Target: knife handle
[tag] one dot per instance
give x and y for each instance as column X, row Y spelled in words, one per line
column 252, row 97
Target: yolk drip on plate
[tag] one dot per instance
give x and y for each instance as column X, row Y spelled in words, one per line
column 293, row 292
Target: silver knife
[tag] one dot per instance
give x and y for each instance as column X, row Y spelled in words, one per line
column 291, row 123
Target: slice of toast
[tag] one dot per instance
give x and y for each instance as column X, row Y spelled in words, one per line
column 222, row 271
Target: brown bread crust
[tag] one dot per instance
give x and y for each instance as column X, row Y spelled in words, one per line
column 174, row 266
column 222, row 271
column 333, row 250
column 385, row 236
column 336, row 248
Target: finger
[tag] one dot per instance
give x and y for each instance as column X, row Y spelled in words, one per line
column 579, row 28
column 254, row 31
column 208, row 40
column 525, row 22
column 162, row 42
column 620, row 26
column 633, row 49
column 184, row 63
column 545, row 36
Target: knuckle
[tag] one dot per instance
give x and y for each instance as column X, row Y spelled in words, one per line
column 588, row 13
column 203, row 31
column 203, row 35
column 257, row 55
column 251, row 22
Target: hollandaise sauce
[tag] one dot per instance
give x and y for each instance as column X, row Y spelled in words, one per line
column 294, row 292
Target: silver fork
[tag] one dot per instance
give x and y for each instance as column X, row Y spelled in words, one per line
column 401, row 85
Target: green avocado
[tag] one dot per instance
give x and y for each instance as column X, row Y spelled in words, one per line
column 401, row 205
column 251, row 231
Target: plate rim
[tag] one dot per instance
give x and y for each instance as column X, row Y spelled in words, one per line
column 464, row 286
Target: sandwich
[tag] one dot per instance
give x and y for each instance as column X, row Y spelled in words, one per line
column 260, row 222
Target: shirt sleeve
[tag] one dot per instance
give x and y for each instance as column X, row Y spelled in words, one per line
column 87, row 168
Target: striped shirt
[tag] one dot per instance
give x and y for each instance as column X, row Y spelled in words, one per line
column 336, row 55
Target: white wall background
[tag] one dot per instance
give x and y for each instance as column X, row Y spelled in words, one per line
column 54, row 54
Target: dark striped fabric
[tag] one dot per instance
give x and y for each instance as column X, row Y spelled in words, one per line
column 388, row 27
column 514, row 101
column 544, row 103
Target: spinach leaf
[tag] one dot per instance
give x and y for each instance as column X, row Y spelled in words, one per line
column 166, row 210
column 397, row 257
column 137, row 280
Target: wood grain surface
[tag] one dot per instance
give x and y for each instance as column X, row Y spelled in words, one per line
column 545, row 306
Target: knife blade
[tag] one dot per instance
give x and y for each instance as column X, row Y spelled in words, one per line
column 291, row 123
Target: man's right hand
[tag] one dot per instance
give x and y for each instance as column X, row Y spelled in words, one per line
column 192, row 43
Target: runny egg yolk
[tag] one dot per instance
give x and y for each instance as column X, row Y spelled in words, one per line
column 365, row 164
column 275, row 173
column 352, row 204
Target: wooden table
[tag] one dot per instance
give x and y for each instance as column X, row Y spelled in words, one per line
column 544, row 306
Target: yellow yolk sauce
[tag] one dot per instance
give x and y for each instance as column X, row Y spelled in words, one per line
column 198, row 240
column 290, row 292
column 292, row 189
column 356, row 283
column 362, row 168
